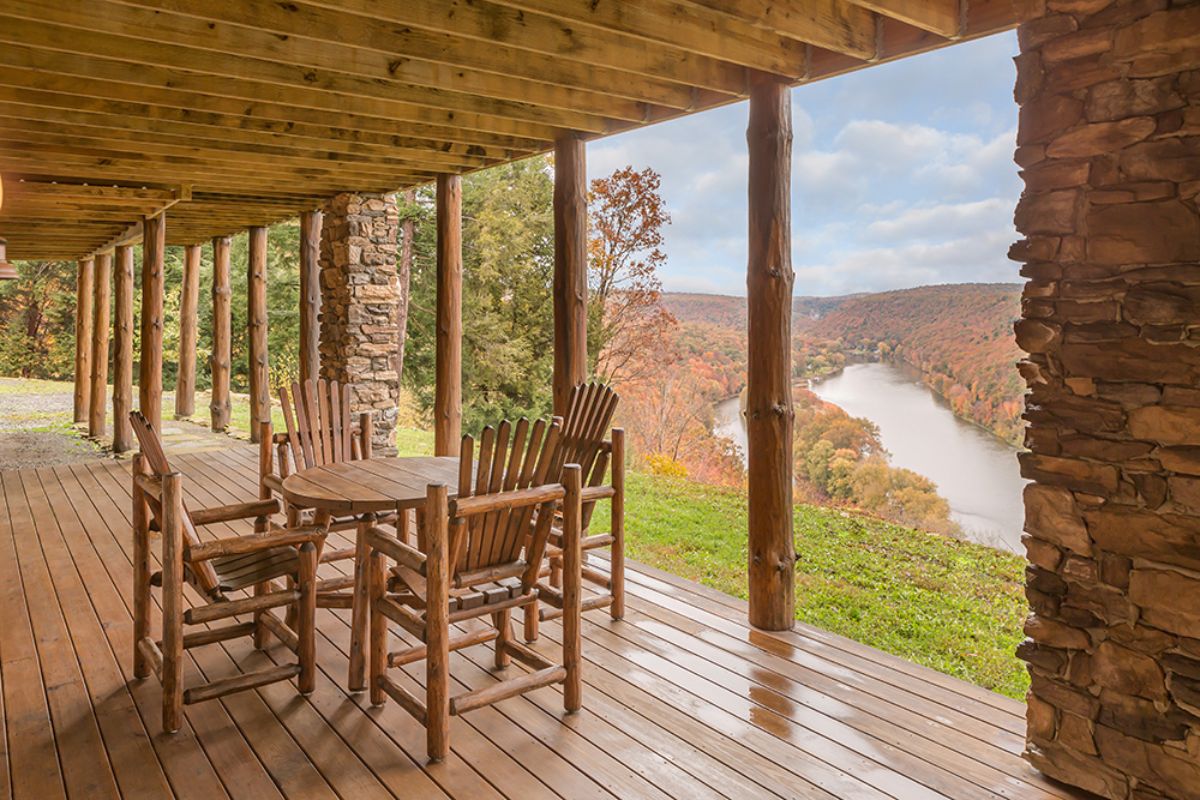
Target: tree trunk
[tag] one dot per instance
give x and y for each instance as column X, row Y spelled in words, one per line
column 570, row 268
column 408, row 231
column 447, row 404
column 769, row 412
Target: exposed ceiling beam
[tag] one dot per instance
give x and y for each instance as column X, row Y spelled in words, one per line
column 943, row 17
column 831, row 24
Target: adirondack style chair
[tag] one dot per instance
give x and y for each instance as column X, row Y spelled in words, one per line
column 589, row 414
column 215, row 568
column 483, row 552
column 320, row 431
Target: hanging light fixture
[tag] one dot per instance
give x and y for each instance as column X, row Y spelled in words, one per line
column 8, row 271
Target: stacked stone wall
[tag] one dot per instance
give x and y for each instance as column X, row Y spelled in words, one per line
column 359, row 302
column 1109, row 145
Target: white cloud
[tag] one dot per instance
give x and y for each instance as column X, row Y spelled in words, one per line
column 902, row 175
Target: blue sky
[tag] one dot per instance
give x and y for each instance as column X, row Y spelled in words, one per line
column 902, row 175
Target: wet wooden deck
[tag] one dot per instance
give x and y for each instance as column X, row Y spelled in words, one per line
column 681, row 700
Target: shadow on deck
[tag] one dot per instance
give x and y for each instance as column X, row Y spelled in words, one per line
column 681, row 699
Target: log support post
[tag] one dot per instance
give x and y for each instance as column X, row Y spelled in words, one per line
column 98, row 404
column 123, row 283
column 447, row 404
column 769, row 412
column 150, row 374
column 83, row 338
column 222, row 314
column 189, row 299
column 310, row 295
column 256, row 331
column 570, row 268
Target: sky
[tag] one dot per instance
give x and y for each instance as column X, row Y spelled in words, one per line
column 902, row 175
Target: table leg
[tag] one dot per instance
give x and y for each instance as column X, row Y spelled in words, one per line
column 358, row 609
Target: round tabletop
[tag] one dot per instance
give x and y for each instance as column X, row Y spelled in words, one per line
column 373, row 485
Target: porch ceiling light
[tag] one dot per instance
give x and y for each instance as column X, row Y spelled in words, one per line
column 8, row 271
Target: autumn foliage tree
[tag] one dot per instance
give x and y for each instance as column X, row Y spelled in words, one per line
column 627, row 319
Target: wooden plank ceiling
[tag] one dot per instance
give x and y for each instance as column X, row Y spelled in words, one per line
column 246, row 112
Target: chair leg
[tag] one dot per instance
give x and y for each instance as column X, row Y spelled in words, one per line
column 572, row 590
column 437, row 622
column 260, row 629
column 141, row 576
column 556, row 572
column 617, row 563
column 306, row 635
column 172, row 606
column 358, row 610
column 531, row 622
column 503, row 622
column 291, row 615
column 378, row 652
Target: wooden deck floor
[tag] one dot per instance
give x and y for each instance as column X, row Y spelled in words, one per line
column 681, row 700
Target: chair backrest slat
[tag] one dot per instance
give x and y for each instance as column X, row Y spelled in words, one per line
column 589, row 417
column 511, row 458
column 319, row 431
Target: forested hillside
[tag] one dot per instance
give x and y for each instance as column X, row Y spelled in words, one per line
column 959, row 336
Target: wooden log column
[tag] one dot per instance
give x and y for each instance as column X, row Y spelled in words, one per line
column 310, row 295
column 222, row 313
column 570, row 268
column 769, row 413
column 256, row 331
column 154, row 242
column 189, row 300
column 447, row 404
column 98, row 404
column 122, row 348
column 83, row 338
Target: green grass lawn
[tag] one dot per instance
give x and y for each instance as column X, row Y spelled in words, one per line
column 954, row 606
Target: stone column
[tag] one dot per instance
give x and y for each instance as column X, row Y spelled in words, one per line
column 1109, row 143
column 359, row 301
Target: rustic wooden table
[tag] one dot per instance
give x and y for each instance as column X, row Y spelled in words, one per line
column 365, row 489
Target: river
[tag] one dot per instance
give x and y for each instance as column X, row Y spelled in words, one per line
column 976, row 472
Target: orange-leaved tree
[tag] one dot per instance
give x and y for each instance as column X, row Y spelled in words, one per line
column 626, row 317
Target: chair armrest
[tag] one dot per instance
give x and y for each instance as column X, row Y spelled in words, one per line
column 258, row 508
column 273, row 482
column 255, row 542
column 400, row 552
column 481, row 504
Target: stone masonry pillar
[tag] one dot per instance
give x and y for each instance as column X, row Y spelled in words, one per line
column 359, row 302
column 1109, row 143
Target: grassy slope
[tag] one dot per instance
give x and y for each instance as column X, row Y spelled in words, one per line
column 954, row 606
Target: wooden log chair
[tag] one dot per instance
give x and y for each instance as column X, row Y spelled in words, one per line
column 589, row 414
column 215, row 568
column 320, row 431
column 483, row 551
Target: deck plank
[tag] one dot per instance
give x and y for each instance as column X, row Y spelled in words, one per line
column 682, row 699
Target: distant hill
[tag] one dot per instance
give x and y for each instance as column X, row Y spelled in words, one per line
column 958, row 335
column 729, row 311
